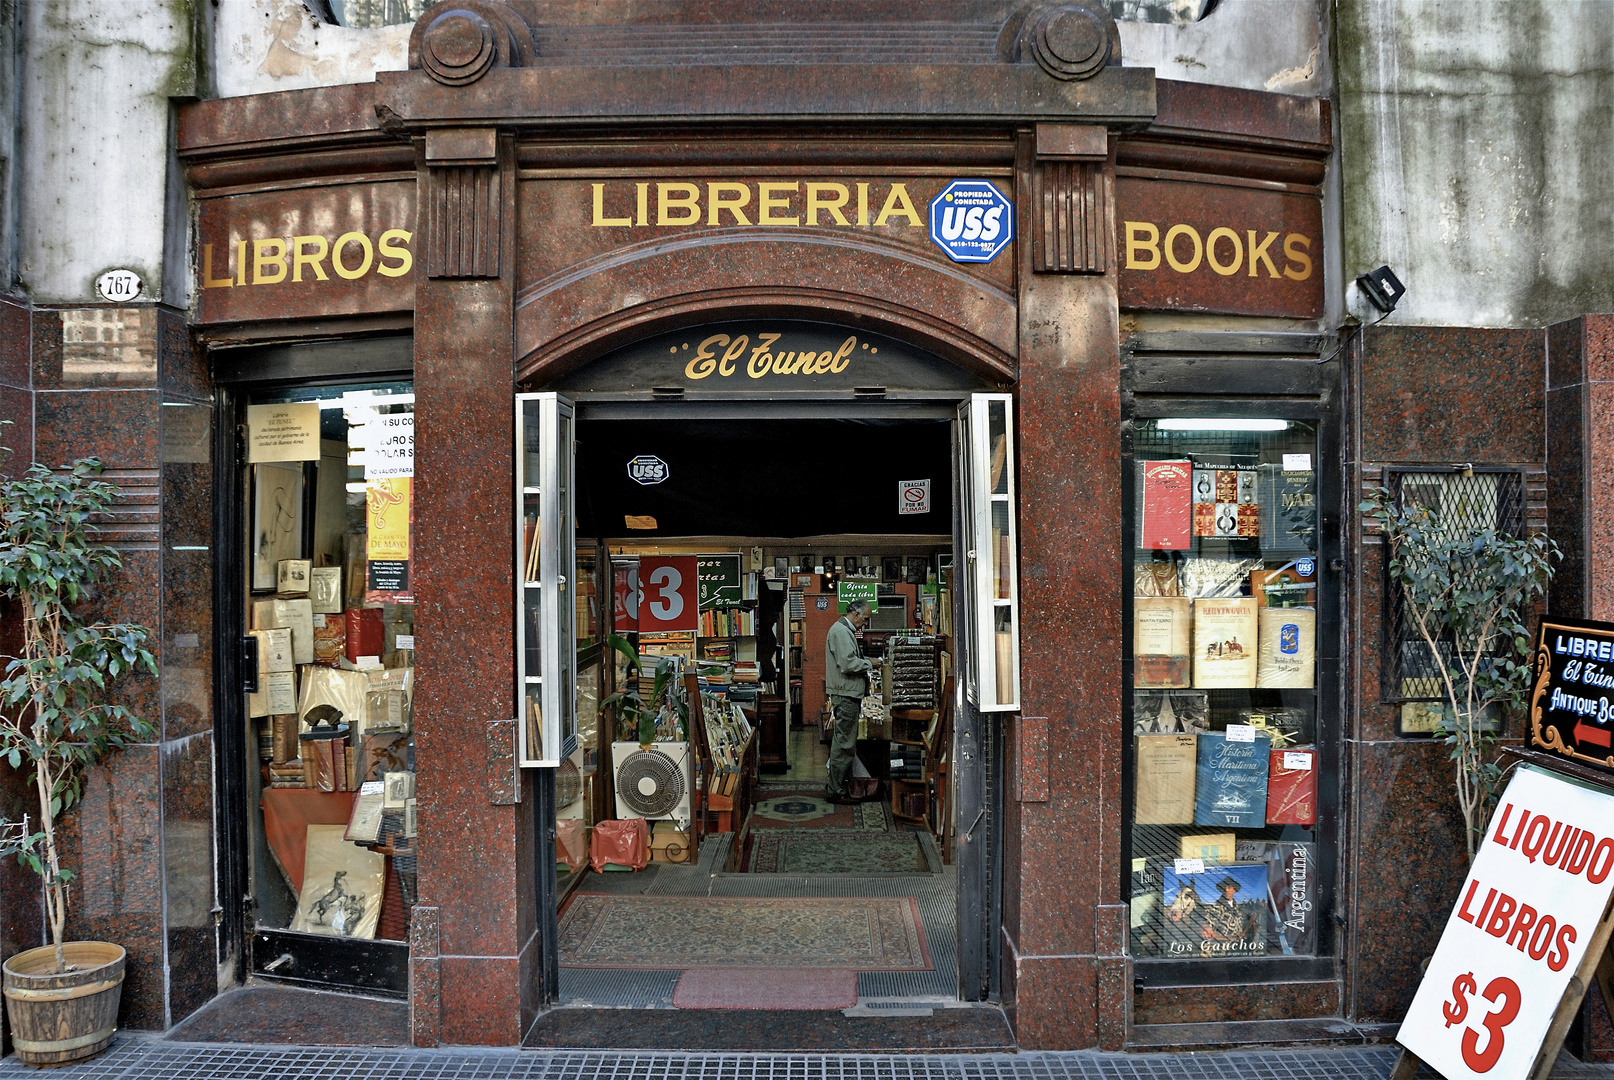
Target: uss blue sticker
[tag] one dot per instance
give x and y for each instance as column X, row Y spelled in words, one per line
column 971, row 220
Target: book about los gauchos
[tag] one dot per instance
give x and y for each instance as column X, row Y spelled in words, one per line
column 1220, row 912
column 1225, row 635
column 1167, row 501
column 1160, row 641
column 1287, row 657
column 1292, row 788
column 1226, row 503
column 1165, row 780
column 1230, row 784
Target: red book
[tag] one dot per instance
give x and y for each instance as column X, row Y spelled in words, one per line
column 366, row 633
column 1167, row 505
column 1292, row 788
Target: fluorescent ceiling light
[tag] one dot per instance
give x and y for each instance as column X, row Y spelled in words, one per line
column 1197, row 423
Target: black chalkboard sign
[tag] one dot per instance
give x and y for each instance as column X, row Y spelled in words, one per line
column 1572, row 696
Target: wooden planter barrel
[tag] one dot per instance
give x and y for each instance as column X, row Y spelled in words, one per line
column 57, row 1019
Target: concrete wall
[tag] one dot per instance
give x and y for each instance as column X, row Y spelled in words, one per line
column 9, row 44
column 266, row 45
column 1477, row 162
column 1274, row 45
column 97, row 77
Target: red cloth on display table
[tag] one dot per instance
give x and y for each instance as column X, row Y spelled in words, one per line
column 571, row 843
column 626, row 843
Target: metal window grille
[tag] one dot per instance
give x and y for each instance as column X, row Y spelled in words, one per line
column 1466, row 501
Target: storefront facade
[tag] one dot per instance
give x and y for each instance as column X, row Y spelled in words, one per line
column 531, row 202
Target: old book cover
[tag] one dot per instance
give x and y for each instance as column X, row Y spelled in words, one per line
column 1292, row 585
column 364, row 824
column 1288, row 512
column 298, row 617
column 284, row 728
column 1227, row 503
column 1220, row 912
column 277, row 693
column 1160, row 641
column 366, row 633
column 325, row 590
column 1288, row 648
column 1230, row 785
column 1292, row 788
column 1167, row 501
column 274, row 650
column 330, row 640
column 1165, row 780
column 1170, row 712
column 1211, row 847
column 1225, row 632
column 291, row 577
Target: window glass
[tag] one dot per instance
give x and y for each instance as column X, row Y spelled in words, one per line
column 1226, row 757
column 330, row 609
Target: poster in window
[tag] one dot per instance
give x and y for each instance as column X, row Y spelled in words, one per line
column 277, row 519
column 389, row 510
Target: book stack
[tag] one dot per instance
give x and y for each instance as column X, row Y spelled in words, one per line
column 907, row 762
column 286, row 774
column 909, row 674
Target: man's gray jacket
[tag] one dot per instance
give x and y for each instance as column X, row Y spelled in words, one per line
column 844, row 667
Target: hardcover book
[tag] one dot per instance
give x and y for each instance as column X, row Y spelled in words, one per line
column 1291, row 893
column 277, row 693
column 1292, row 788
column 1287, row 657
column 1288, row 512
column 1226, row 503
column 325, row 590
column 330, row 640
column 291, row 577
column 1160, row 641
column 1230, row 785
column 1167, row 502
column 366, row 633
column 1225, row 632
column 1210, row 847
column 1293, row 584
column 1165, row 780
column 1221, row 912
column 298, row 617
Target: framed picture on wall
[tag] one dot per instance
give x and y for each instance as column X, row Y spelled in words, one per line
column 277, row 518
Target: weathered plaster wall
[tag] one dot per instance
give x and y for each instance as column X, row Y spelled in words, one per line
column 267, row 45
column 1477, row 162
column 9, row 42
column 97, row 76
column 1275, row 45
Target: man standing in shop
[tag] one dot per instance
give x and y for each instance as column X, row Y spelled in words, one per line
column 846, row 680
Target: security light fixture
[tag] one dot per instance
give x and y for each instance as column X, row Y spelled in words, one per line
column 1382, row 287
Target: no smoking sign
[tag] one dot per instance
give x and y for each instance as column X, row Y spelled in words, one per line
column 913, row 496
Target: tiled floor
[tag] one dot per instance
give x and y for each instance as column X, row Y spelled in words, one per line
column 138, row 1058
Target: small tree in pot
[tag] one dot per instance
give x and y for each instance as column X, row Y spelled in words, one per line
column 1467, row 591
column 55, row 722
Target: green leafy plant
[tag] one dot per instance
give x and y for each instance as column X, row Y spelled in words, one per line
column 1467, row 590
column 53, row 711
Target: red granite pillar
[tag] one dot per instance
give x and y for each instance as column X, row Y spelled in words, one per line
column 473, row 948
column 1064, row 923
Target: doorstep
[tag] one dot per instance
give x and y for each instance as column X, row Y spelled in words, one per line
column 1244, row 1033
column 974, row 1029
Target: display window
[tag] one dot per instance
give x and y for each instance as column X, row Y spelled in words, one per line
column 329, row 677
column 1227, row 829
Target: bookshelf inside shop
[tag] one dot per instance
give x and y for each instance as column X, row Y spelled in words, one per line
column 1226, row 838
column 723, row 689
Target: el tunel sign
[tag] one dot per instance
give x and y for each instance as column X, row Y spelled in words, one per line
column 1572, row 696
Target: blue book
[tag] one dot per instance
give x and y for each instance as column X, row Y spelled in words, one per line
column 1230, row 785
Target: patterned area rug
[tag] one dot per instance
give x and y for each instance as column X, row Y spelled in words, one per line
column 775, row 807
column 876, row 933
column 835, row 851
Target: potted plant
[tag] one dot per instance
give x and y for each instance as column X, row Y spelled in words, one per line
column 55, row 722
column 1467, row 590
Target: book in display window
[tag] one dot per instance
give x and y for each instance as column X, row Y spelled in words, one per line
column 1224, row 744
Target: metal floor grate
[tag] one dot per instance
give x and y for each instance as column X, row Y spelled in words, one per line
column 141, row 1058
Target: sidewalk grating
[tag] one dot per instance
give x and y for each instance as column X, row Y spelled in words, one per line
column 134, row 1057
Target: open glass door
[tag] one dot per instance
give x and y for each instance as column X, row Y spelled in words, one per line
column 546, row 553
column 990, row 587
